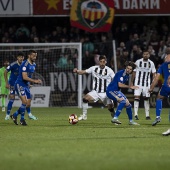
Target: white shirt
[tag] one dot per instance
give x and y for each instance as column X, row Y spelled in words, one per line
column 101, row 77
column 143, row 71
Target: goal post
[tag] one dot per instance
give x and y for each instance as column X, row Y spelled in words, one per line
column 54, row 66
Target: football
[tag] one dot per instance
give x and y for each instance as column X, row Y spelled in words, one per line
column 73, row 119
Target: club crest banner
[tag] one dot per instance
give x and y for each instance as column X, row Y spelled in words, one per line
column 92, row 15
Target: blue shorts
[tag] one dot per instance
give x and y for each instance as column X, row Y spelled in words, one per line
column 115, row 94
column 164, row 91
column 23, row 91
column 12, row 90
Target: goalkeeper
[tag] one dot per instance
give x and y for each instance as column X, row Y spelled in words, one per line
column 3, row 90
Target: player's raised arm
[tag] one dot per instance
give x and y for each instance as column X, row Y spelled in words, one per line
column 75, row 70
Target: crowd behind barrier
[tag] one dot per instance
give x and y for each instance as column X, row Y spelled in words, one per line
column 132, row 37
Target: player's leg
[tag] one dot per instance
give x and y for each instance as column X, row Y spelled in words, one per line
column 129, row 113
column 107, row 102
column 146, row 96
column 121, row 99
column 91, row 96
column 147, row 108
column 21, row 93
column 159, row 99
column 137, row 93
column 28, row 106
column 10, row 102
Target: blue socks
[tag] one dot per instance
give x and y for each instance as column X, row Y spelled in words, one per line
column 129, row 112
column 9, row 107
column 28, row 110
column 158, row 107
column 21, row 111
column 119, row 108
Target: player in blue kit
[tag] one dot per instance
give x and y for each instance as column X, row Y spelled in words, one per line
column 22, row 83
column 164, row 70
column 14, row 69
column 113, row 92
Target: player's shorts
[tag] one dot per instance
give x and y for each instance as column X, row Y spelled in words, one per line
column 100, row 96
column 164, row 91
column 143, row 90
column 23, row 91
column 12, row 90
column 115, row 94
column 4, row 90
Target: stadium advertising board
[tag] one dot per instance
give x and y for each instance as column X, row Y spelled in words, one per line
column 128, row 7
column 15, row 7
column 62, row 7
column 40, row 97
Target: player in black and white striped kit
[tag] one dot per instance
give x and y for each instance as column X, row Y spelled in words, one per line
column 102, row 75
column 142, row 78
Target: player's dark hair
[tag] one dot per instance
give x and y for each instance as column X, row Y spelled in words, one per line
column 20, row 54
column 101, row 57
column 31, row 51
column 167, row 51
column 130, row 63
column 146, row 50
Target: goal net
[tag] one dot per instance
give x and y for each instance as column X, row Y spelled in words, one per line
column 54, row 66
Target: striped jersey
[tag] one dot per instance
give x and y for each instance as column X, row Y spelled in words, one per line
column 101, row 77
column 143, row 72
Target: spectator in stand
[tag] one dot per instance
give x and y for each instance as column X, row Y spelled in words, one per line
column 105, row 47
column 23, row 29
column 54, row 37
column 122, row 33
column 136, row 53
column 168, row 41
column 154, row 41
column 88, row 49
column 121, row 47
column 64, row 62
column 164, row 32
column 153, row 56
column 123, row 58
column 161, row 51
column 145, row 35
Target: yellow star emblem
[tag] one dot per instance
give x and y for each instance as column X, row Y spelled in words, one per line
column 52, row 4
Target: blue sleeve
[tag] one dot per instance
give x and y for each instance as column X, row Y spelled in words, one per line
column 160, row 70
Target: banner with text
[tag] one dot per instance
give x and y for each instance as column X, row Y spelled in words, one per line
column 15, row 7
column 40, row 97
column 129, row 7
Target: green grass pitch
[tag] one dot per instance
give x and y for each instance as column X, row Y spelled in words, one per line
column 51, row 143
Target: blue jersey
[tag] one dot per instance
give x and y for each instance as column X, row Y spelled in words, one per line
column 14, row 68
column 121, row 77
column 164, row 69
column 27, row 67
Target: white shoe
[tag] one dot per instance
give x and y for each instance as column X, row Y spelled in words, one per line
column 3, row 109
column 7, row 117
column 166, row 133
column 133, row 123
column 82, row 117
